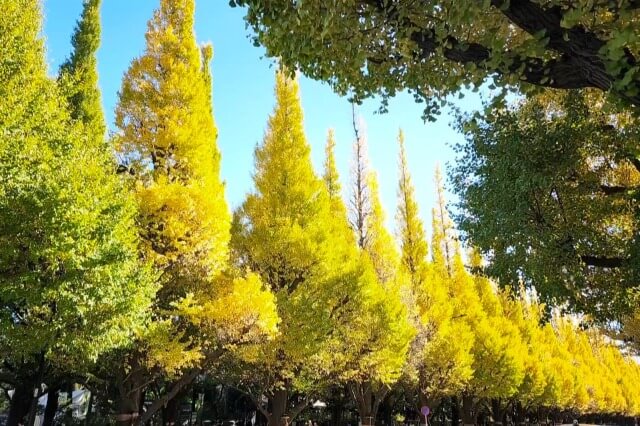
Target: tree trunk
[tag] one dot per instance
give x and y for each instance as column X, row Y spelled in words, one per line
column 364, row 401
column 176, row 387
column 498, row 412
column 127, row 408
column 469, row 414
column 193, row 406
column 279, row 411
column 368, row 400
column 171, row 412
column 52, row 407
column 278, row 416
column 520, row 414
column 87, row 418
column 336, row 408
column 427, row 401
column 20, row 404
column 385, row 413
column 67, row 388
column 455, row 411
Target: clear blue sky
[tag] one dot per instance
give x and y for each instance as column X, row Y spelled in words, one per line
column 243, row 99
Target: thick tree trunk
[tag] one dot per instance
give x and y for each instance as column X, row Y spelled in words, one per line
column 130, row 400
column 278, row 415
column 455, row 411
column 469, row 412
column 51, row 408
column 336, row 406
column 498, row 412
column 171, row 412
column 385, row 413
column 278, row 411
column 368, row 400
column 20, row 404
column 363, row 395
column 520, row 411
column 127, row 408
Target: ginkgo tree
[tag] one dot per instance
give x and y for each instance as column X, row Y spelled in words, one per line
column 71, row 282
column 439, row 362
column 380, row 340
column 167, row 139
column 548, row 191
column 286, row 231
column 434, row 48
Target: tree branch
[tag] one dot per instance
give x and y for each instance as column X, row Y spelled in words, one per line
column 298, row 408
column 186, row 379
column 603, row 262
column 616, row 189
column 578, row 65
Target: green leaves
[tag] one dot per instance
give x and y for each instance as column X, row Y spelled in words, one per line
column 71, row 285
column 367, row 50
column 535, row 182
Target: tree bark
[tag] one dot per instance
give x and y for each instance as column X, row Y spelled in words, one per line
column 336, row 406
column 278, row 411
column 171, row 411
column 87, row 418
column 278, row 408
column 51, row 408
column 127, row 409
column 368, row 400
column 455, row 411
column 469, row 412
column 498, row 412
column 176, row 388
column 19, row 406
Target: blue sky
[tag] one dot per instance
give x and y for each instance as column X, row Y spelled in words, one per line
column 243, row 98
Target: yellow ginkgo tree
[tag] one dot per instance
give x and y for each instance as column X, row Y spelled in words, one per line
column 287, row 230
column 167, row 140
column 379, row 340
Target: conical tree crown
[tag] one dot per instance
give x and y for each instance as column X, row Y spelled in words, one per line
column 168, row 133
column 444, row 245
column 332, row 183
column 290, row 212
column 381, row 246
column 410, row 228
column 284, row 177
column 79, row 74
column 331, row 176
column 165, row 102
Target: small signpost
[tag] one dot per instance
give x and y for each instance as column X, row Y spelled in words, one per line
column 425, row 412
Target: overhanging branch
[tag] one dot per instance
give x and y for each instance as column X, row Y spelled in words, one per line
column 603, row 262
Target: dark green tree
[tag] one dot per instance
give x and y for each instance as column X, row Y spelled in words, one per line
column 435, row 47
column 549, row 192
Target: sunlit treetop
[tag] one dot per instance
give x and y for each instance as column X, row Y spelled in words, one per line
column 434, row 47
column 79, row 74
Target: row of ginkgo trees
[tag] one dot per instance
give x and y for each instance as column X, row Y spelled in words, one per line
column 133, row 279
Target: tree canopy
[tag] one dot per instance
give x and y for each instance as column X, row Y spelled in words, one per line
column 433, row 48
column 549, row 193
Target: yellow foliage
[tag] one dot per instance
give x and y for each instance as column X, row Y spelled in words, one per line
column 168, row 136
column 224, row 310
column 169, row 349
